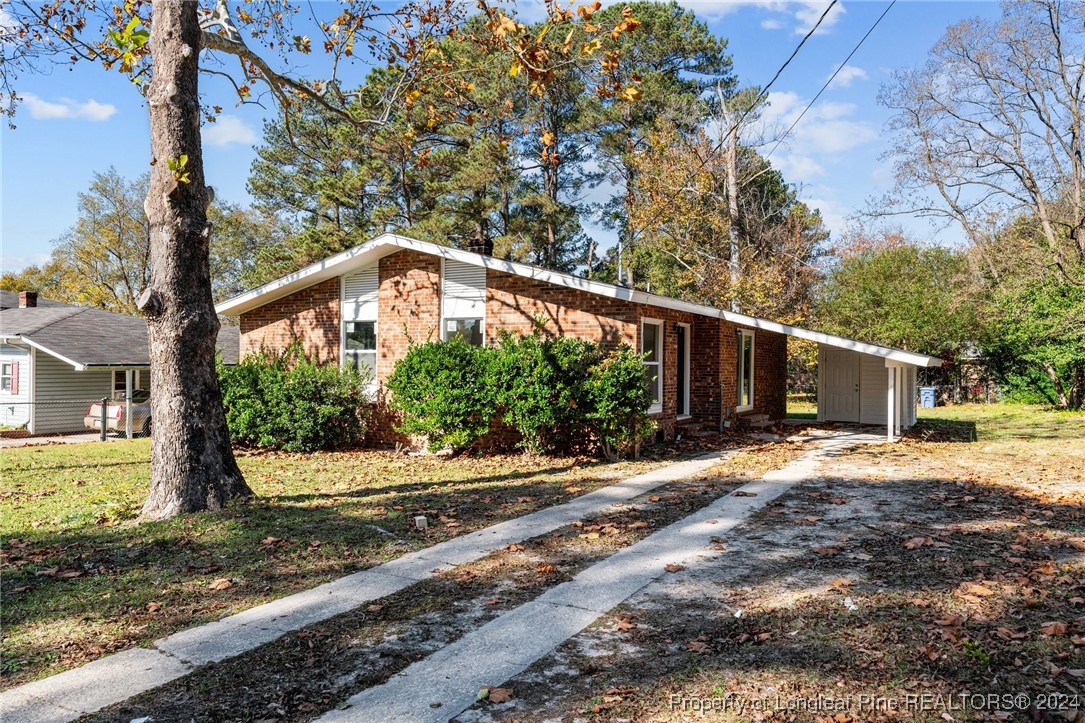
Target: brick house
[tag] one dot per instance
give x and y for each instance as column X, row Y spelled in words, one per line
column 707, row 366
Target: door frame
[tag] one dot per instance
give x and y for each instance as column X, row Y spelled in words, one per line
column 682, row 369
column 823, row 391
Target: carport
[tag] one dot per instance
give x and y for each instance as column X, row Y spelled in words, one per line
column 868, row 384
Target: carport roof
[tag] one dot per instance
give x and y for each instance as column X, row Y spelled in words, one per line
column 386, row 244
column 88, row 338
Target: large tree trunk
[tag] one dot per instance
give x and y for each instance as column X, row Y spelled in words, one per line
column 192, row 464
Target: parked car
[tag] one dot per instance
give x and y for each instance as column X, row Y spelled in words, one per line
column 115, row 411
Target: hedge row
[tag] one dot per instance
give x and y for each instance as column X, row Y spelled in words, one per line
column 558, row 393
column 287, row 402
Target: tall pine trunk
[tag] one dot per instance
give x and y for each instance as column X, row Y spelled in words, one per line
column 192, row 464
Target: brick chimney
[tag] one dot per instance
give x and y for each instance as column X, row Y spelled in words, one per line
column 486, row 248
column 28, row 299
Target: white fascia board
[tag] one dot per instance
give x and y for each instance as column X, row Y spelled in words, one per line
column 389, row 243
column 30, row 342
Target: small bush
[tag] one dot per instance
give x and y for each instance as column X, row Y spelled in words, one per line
column 541, row 388
column 618, row 402
column 444, row 391
column 287, row 402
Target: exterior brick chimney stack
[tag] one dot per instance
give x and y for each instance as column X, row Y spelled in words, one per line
column 28, row 299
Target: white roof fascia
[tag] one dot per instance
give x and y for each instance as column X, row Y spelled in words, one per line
column 30, row 342
column 386, row 243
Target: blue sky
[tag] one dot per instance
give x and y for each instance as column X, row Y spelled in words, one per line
column 74, row 122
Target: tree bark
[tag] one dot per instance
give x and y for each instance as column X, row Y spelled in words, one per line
column 192, row 463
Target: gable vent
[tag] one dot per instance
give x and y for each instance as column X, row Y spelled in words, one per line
column 463, row 290
column 360, row 295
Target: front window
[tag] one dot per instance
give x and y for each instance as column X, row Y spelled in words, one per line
column 651, row 347
column 745, row 370
column 120, row 385
column 5, row 376
column 470, row 330
column 361, row 346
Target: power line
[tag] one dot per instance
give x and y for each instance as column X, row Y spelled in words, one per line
column 764, row 91
column 831, row 79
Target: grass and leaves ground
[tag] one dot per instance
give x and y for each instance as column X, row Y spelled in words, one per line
column 82, row 579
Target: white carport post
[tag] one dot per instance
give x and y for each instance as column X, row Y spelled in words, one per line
column 893, row 409
column 128, row 403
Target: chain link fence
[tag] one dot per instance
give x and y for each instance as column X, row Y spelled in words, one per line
column 101, row 418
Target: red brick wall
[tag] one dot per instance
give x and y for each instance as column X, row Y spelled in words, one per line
column 408, row 305
column 769, row 369
column 310, row 316
column 513, row 302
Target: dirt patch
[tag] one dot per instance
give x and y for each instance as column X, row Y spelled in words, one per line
column 882, row 585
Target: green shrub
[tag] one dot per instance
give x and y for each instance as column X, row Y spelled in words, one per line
column 558, row 393
column 618, row 401
column 541, row 389
column 287, row 402
column 443, row 390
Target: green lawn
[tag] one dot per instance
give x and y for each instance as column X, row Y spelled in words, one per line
column 82, row 579
column 1003, row 422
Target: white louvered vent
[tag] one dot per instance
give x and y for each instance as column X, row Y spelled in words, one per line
column 360, row 295
column 463, row 290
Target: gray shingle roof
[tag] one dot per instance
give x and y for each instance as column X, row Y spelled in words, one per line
column 86, row 336
column 10, row 300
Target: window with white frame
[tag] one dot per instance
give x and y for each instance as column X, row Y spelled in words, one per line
column 138, row 377
column 360, row 350
column 745, row 370
column 463, row 302
column 360, row 291
column 651, row 348
column 469, row 330
column 7, row 370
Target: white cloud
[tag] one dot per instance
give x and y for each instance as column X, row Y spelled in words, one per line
column 66, row 108
column 228, row 130
column 808, row 13
column 827, row 128
column 846, row 75
column 771, row 24
column 799, row 168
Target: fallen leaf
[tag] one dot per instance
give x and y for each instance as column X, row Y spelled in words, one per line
column 1053, row 628
column 546, row 569
column 495, row 600
column 500, row 695
column 270, row 540
column 840, row 582
column 972, row 588
column 153, row 606
column 674, row 567
column 514, row 548
column 827, row 550
column 624, row 625
column 697, row 646
column 913, row 543
column 221, row 584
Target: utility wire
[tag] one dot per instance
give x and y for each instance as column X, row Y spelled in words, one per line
column 831, row 79
column 764, row 91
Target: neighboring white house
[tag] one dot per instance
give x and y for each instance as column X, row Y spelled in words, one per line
column 56, row 359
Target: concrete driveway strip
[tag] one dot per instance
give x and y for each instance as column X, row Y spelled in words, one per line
column 114, row 678
column 447, row 682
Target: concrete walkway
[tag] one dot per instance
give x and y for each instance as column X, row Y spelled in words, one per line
column 115, row 678
column 447, row 682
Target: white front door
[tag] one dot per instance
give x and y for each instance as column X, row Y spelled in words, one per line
column 840, row 375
